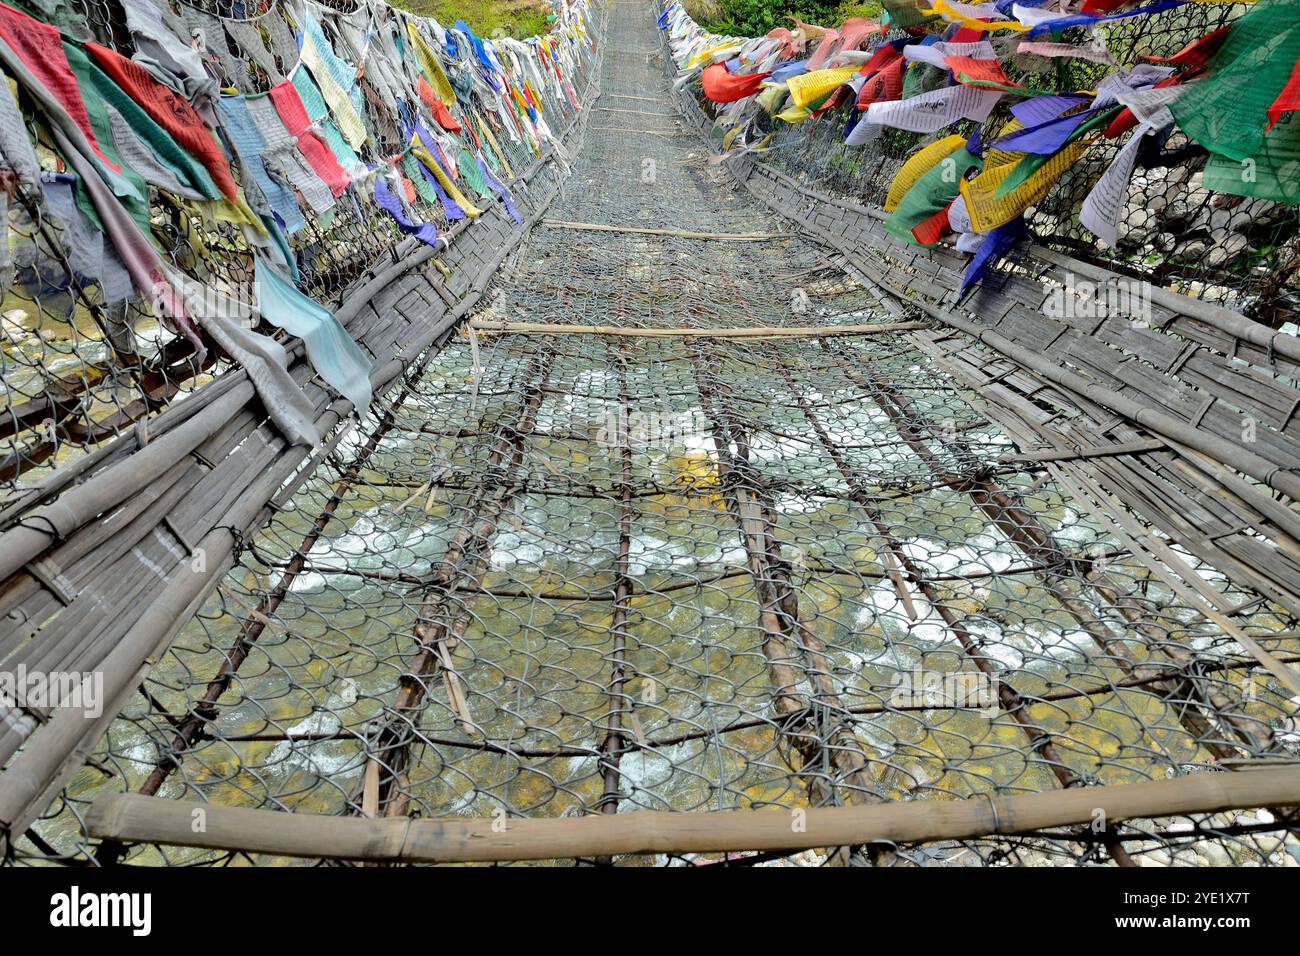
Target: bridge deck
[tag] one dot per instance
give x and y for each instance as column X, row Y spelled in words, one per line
column 566, row 571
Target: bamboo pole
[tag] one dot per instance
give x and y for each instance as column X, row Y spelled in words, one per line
column 618, row 129
column 676, row 233
column 751, row 332
column 137, row 819
column 615, row 109
column 1101, row 451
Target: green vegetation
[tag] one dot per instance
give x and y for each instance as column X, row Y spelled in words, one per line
column 756, row 17
column 514, row 18
column 525, row 18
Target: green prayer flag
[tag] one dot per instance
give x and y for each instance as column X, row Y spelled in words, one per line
column 471, row 175
column 1226, row 111
column 411, row 167
column 936, row 188
column 1271, row 173
column 907, row 13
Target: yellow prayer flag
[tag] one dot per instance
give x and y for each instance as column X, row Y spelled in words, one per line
column 943, row 9
column 810, row 87
column 433, row 71
column 445, row 181
column 794, row 115
column 993, row 156
column 987, row 213
column 917, row 165
column 706, row 55
column 770, row 97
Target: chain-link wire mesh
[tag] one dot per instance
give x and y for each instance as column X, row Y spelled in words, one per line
column 576, row 572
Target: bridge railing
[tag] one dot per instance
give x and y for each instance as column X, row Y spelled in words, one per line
column 89, row 355
column 1239, row 251
column 138, row 471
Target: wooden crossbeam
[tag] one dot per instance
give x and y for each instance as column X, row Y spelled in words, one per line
column 615, row 109
column 677, row 233
column 491, row 326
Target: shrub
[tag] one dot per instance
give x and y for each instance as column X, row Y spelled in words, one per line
column 756, row 17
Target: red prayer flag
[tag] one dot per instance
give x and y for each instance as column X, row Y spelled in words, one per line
column 1196, row 54
column 478, row 143
column 288, row 104
column 1099, row 8
column 723, row 87
column 1288, row 100
column 40, row 48
column 169, row 110
column 842, row 94
column 885, row 86
column 882, row 58
column 789, row 44
column 930, row 231
column 1123, row 122
column 847, row 37
column 426, row 92
column 824, row 49
column 448, row 162
column 437, row 106
column 972, row 72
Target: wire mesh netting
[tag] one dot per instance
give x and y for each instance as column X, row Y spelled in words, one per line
column 561, row 574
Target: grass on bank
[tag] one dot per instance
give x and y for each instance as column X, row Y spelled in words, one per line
column 487, row 18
